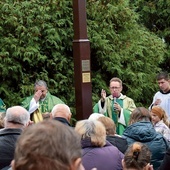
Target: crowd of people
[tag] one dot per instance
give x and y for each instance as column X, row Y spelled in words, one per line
column 38, row 134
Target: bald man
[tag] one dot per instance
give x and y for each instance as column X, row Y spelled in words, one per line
column 62, row 113
column 16, row 119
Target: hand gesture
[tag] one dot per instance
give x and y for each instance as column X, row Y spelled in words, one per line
column 37, row 95
column 103, row 95
column 117, row 107
column 157, row 102
column 149, row 167
column 30, row 123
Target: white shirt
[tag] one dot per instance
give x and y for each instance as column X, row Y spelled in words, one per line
column 33, row 106
column 165, row 101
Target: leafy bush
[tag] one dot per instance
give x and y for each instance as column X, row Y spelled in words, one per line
column 36, row 43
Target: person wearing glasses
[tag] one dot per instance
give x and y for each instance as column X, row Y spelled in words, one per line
column 116, row 106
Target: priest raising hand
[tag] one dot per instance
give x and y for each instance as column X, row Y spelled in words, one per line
column 116, row 106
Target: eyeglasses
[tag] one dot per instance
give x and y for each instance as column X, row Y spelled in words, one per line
column 116, row 88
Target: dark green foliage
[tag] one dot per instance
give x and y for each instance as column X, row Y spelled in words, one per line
column 36, row 43
column 124, row 48
column 155, row 15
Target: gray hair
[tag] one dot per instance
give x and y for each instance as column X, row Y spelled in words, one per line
column 40, row 83
column 17, row 114
column 93, row 130
column 116, row 79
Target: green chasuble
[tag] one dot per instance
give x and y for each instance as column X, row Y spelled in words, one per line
column 45, row 105
column 2, row 106
column 121, row 119
column 115, row 114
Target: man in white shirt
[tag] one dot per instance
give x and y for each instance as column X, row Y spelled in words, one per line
column 162, row 97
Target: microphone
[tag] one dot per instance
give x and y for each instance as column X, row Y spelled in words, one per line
column 114, row 99
column 115, row 95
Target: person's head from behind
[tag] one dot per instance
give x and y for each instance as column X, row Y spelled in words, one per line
column 93, row 131
column 109, row 125
column 137, row 157
column 48, row 145
column 95, row 116
column 16, row 116
column 61, row 110
column 115, row 87
column 41, row 85
column 163, row 81
column 139, row 114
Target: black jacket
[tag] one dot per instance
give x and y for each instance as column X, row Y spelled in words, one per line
column 118, row 142
column 165, row 165
column 8, row 138
column 62, row 120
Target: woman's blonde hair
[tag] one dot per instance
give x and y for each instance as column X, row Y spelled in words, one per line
column 93, row 130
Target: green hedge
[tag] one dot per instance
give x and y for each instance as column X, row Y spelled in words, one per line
column 36, row 43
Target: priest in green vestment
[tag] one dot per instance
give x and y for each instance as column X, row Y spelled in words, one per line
column 116, row 106
column 41, row 103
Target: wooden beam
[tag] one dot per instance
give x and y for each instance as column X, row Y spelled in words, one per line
column 82, row 63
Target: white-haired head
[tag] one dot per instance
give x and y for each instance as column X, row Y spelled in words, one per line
column 95, row 116
column 61, row 110
column 17, row 115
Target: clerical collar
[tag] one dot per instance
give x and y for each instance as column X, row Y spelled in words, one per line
column 165, row 92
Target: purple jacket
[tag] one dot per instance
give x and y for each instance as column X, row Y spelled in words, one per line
column 102, row 158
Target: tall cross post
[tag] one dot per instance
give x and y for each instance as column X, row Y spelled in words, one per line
column 82, row 66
